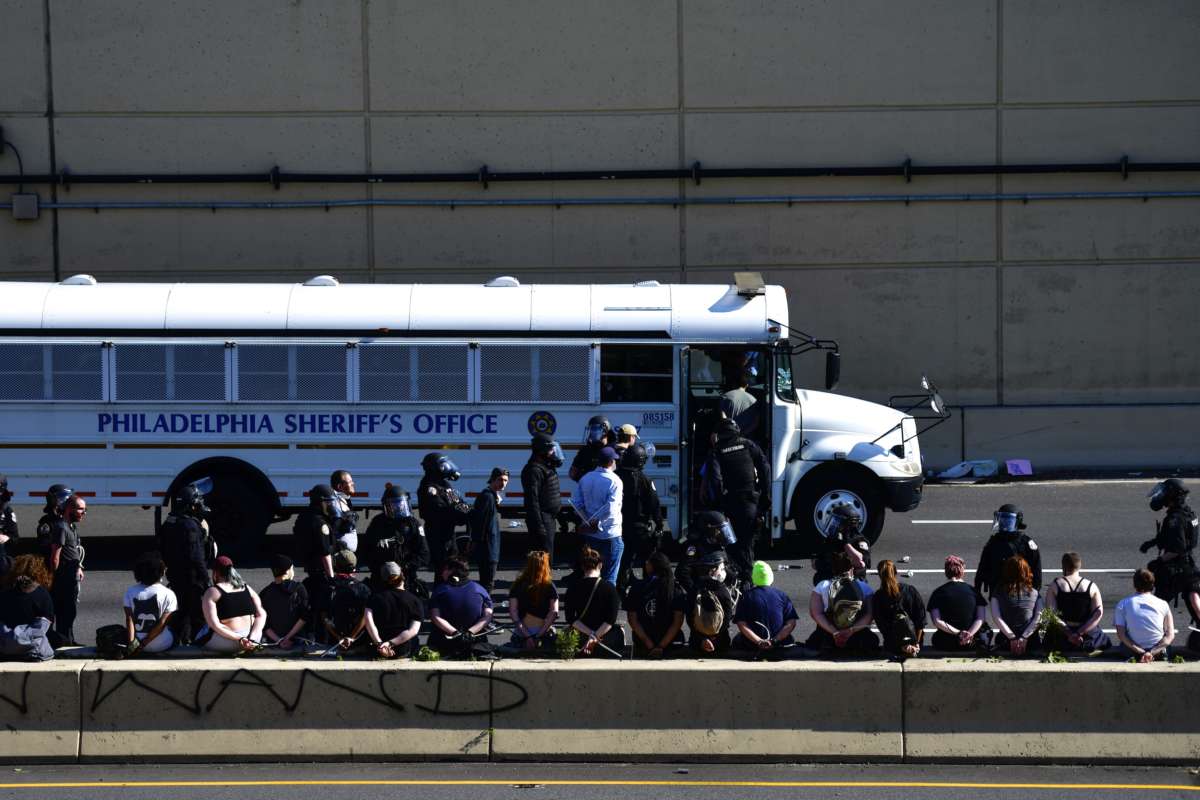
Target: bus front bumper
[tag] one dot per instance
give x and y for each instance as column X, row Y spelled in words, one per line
column 903, row 494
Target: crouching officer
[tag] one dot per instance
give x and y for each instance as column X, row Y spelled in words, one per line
column 709, row 535
column 442, row 508
column 1176, row 535
column 1008, row 539
column 841, row 535
column 8, row 525
column 395, row 535
column 183, row 539
column 314, row 545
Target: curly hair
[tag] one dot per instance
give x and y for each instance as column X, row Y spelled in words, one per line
column 27, row 566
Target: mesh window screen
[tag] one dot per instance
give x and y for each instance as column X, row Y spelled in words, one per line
column 52, row 372
column 512, row 373
column 170, row 372
column 399, row 373
column 291, row 372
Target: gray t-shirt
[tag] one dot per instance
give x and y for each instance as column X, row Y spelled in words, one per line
column 1017, row 609
column 738, row 405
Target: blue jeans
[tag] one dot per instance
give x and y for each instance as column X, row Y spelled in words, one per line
column 610, row 550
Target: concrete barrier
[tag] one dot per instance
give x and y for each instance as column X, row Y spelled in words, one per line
column 268, row 710
column 1021, row 711
column 39, row 712
column 703, row 710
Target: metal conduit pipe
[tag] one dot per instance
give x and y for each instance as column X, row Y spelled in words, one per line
column 214, row 205
column 908, row 170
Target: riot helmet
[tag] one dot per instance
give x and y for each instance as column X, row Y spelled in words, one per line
column 597, row 430
column 542, row 444
column 842, row 517
column 1008, row 519
column 714, row 528
column 440, row 467
column 5, row 494
column 635, row 456
column 395, row 503
column 1170, row 492
column 189, row 499
column 726, row 429
column 56, row 498
column 323, row 498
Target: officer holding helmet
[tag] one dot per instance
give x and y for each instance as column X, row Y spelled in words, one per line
column 708, row 536
column 1176, row 535
column 8, row 524
column 58, row 535
column 1008, row 539
column 597, row 435
column 183, row 540
column 442, row 508
column 395, row 535
column 543, row 495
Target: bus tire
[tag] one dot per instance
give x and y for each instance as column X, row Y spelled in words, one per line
column 817, row 492
column 240, row 517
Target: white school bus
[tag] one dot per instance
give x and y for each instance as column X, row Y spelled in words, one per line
column 126, row 391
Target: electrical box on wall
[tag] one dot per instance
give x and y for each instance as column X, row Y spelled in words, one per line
column 25, row 206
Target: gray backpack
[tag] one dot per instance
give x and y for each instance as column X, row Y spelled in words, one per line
column 26, row 642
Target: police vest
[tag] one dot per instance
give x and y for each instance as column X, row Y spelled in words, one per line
column 737, row 466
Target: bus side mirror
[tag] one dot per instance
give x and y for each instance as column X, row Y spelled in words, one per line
column 833, row 370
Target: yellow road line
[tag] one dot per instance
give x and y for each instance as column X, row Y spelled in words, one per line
column 668, row 783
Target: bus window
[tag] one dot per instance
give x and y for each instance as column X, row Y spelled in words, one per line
column 636, row 373
column 165, row 372
column 52, row 372
column 291, row 372
column 520, row 373
column 413, row 373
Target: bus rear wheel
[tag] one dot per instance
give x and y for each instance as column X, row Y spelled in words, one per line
column 816, row 495
column 239, row 518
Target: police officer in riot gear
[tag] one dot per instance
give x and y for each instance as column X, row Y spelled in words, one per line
column 442, row 508
column 542, row 493
column 597, row 435
column 58, row 536
column 841, row 534
column 395, row 535
column 346, row 531
column 1176, row 537
column 1008, row 539
column 745, row 481
column 709, row 534
column 314, row 545
column 8, row 524
column 183, row 540
column 641, row 520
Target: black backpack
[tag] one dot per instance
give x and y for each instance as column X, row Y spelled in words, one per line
column 898, row 627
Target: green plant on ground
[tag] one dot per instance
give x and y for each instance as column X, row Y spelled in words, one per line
column 1051, row 630
column 1055, row 657
column 427, row 654
column 566, row 643
column 1178, row 659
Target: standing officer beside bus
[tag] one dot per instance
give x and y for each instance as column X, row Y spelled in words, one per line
column 745, row 479
column 8, row 524
column 184, row 541
column 442, row 509
column 543, row 495
column 58, row 534
column 597, row 435
column 314, row 545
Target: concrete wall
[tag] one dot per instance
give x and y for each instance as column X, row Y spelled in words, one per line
column 1086, row 303
column 268, row 709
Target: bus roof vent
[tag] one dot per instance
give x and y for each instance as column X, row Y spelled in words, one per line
column 322, row 280
column 79, row 280
column 646, row 284
column 503, row 280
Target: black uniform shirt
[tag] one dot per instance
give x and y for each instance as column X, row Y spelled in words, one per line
column 1003, row 546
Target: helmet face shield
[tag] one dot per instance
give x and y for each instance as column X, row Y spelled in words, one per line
column 650, row 451
column 397, row 507
column 1158, row 497
column 727, row 534
column 1005, row 522
column 448, row 469
column 594, row 433
column 555, row 454
column 204, row 486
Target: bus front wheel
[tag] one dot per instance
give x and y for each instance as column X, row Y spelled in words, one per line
column 818, row 494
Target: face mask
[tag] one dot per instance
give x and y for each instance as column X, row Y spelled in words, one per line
column 720, row 574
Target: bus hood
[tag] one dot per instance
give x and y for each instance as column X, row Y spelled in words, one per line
column 836, row 426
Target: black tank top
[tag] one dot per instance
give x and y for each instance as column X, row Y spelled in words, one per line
column 1075, row 605
column 234, row 604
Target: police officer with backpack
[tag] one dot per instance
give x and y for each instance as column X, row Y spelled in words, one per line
column 395, row 535
column 543, row 494
column 738, row 479
column 1176, row 537
column 1008, row 539
column 184, row 542
column 442, row 508
column 641, row 520
column 314, row 545
column 8, row 525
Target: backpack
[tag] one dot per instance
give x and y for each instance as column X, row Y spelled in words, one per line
column 26, row 642
column 112, row 642
column 899, row 628
column 708, row 615
column 845, row 601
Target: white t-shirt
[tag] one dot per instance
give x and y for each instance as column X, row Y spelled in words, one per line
column 1143, row 616
column 149, row 604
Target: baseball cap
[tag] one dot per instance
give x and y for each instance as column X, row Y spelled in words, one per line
column 344, row 561
column 627, row 430
column 390, row 569
column 607, row 454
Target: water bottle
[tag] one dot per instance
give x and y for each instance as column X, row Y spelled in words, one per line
column 782, row 567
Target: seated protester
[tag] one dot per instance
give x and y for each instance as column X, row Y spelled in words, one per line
column 27, row 611
column 459, row 610
column 656, row 607
column 347, row 603
column 1145, row 624
column 393, row 615
column 899, row 613
column 959, row 612
column 592, row 608
column 533, row 606
column 710, row 607
column 1016, row 608
column 233, row 615
column 286, row 602
column 764, row 615
column 148, row 606
column 1078, row 604
column 841, row 608
column 1192, row 598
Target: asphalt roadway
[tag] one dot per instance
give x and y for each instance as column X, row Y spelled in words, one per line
column 1104, row 520
column 594, row 782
